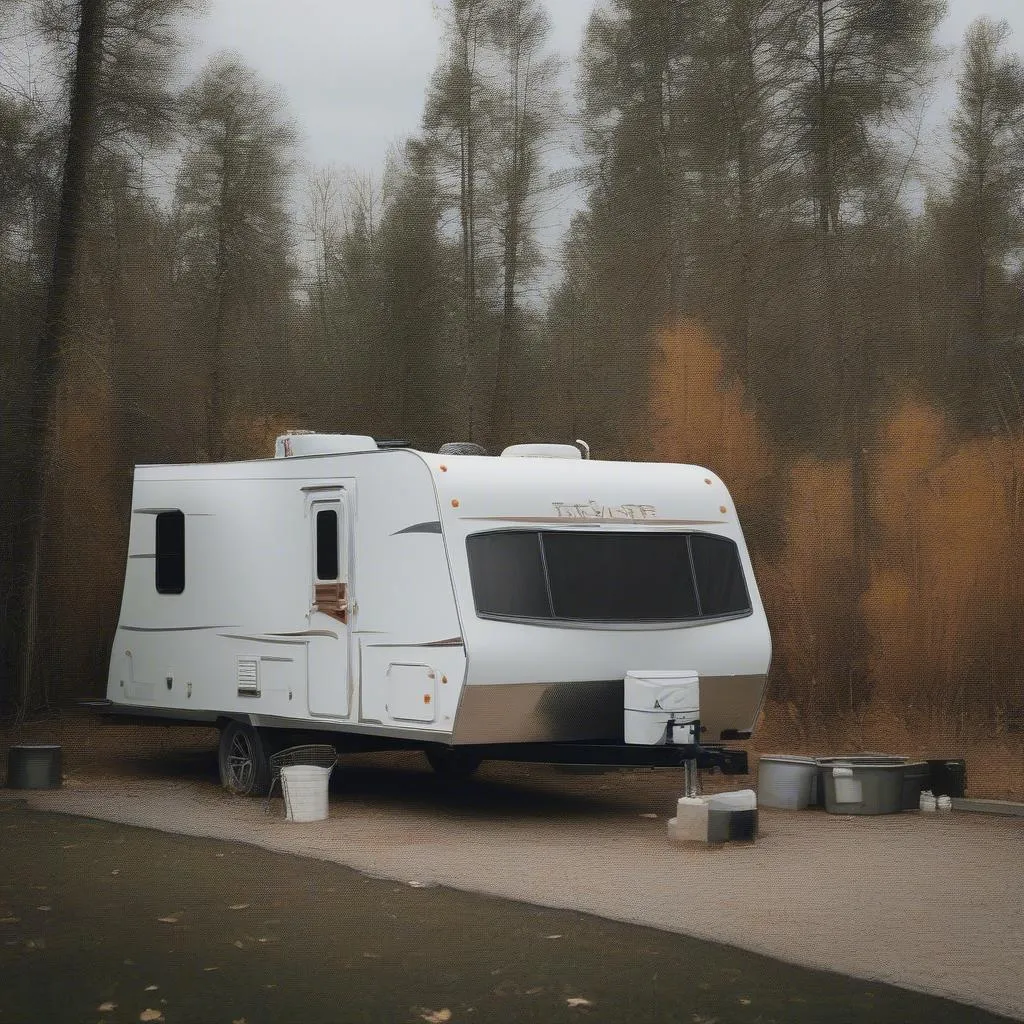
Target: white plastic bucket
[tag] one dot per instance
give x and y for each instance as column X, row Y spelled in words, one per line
column 848, row 787
column 305, row 792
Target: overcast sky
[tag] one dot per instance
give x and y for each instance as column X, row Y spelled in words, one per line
column 354, row 72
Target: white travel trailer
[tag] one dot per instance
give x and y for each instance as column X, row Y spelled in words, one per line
column 470, row 605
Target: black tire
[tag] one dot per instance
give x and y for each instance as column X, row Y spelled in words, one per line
column 243, row 760
column 453, row 763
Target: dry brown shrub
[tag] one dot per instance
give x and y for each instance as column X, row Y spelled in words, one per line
column 87, row 531
column 944, row 605
column 807, row 591
column 699, row 418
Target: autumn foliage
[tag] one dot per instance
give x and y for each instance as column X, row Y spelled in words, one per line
column 943, row 611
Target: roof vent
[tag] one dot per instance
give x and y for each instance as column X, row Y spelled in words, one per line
column 306, row 442
column 462, row 448
column 542, row 451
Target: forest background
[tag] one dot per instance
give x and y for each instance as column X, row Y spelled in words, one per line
column 773, row 273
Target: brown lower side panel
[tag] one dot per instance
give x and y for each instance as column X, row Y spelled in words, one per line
column 591, row 710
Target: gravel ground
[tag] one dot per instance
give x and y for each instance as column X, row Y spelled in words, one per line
column 931, row 903
column 102, row 923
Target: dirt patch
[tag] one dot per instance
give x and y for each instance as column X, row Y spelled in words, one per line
column 995, row 763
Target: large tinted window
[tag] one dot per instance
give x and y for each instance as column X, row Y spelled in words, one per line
column 605, row 577
column 716, row 565
column 619, row 577
column 170, row 552
column 508, row 575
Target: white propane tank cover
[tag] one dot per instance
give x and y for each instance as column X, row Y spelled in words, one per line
column 310, row 443
column 542, row 451
column 658, row 690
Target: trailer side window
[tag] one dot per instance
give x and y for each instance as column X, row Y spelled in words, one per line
column 508, row 575
column 591, row 576
column 716, row 565
column 327, row 544
column 620, row 577
column 170, row 552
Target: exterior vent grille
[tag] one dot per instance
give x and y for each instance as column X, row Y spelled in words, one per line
column 248, row 677
column 542, row 451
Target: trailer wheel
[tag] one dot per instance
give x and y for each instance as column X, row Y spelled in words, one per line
column 452, row 763
column 243, row 760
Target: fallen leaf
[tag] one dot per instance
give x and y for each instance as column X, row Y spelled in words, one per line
column 745, row 1002
column 218, row 855
column 575, row 1001
column 9, row 920
column 149, row 1015
column 437, row 1016
column 239, row 943
column 171, row 918
column 36, row 943
column 116, row 871
column 552, row 936
column 419, row 885
column 44, row 908
column 372, row 956
column 152, row 988
column 70, row 846
column 239, row 906
column 533, row 991
column 211, row 968
column 106, row 1007
column 239, row 1020
column 648, row 815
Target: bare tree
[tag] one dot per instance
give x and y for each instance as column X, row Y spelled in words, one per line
column 988, row 160
column 231, row 200
column 46, row 367
column 321, row 221
column 525, row 118
column 455, row 120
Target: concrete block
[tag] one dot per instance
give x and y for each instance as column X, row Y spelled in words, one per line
column 691, row 821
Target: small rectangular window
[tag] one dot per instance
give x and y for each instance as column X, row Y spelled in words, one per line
column 327, row 544
column 170, row 552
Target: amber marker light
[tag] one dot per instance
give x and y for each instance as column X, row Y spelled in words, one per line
column 455, row 502
column 721, row 508
column 444, row 469
column 707, row 480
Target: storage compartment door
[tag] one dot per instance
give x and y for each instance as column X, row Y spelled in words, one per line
column 412, row 692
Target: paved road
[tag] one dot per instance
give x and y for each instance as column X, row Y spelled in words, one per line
column 94, row 914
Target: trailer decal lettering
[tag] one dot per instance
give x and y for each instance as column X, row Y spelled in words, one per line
column 594, row 509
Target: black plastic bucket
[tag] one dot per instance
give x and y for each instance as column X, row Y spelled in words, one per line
column 34, row 767
column 948, row 776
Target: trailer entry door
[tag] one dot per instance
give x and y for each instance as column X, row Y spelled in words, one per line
column 328, row 649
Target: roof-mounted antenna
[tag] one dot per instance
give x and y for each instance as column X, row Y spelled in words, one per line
column 583, row 447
